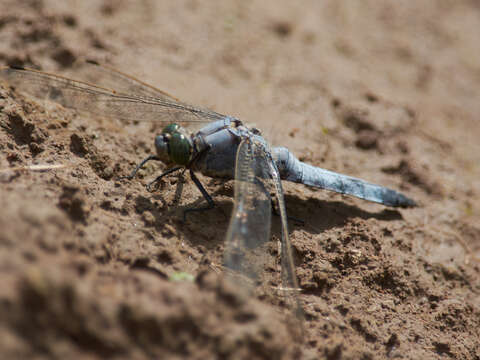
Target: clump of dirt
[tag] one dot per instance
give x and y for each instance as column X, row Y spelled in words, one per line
column 61, row 319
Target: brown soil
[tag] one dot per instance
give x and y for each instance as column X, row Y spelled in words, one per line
column 385, row 91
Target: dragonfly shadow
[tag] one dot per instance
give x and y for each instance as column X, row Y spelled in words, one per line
column 321, row 215
column 157, row 213
column 317, row 215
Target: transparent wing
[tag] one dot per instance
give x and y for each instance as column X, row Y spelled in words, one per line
column 145, row 103
column 110, row 78
column 256, row 175
column 289, row 278
column 249, row 229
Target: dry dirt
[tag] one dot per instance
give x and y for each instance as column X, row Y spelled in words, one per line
column 93, row 267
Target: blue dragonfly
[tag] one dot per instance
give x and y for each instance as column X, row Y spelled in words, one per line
column 224, row 147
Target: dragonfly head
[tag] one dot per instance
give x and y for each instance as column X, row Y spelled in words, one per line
column 174, row 145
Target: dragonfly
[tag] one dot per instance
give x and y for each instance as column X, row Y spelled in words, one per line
column 224, row 147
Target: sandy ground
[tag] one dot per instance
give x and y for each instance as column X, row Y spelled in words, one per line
column 93, row 267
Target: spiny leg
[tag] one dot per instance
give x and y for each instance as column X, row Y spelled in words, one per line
column 158, row 178
column 139, row 166
column 211, row 203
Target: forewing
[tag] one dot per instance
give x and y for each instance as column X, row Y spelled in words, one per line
column 111, row 78
column 249, row 229
column 95, row 99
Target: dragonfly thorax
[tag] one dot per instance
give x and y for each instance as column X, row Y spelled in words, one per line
column 174, row 145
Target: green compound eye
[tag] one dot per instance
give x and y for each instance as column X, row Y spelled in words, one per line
column 180, row 149
column 170, row 128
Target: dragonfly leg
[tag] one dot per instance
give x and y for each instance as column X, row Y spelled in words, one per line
column 139, row 166
column 158, row 178
column 211, row 203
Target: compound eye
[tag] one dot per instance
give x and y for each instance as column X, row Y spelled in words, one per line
column 161, row 144
column 170, row 128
